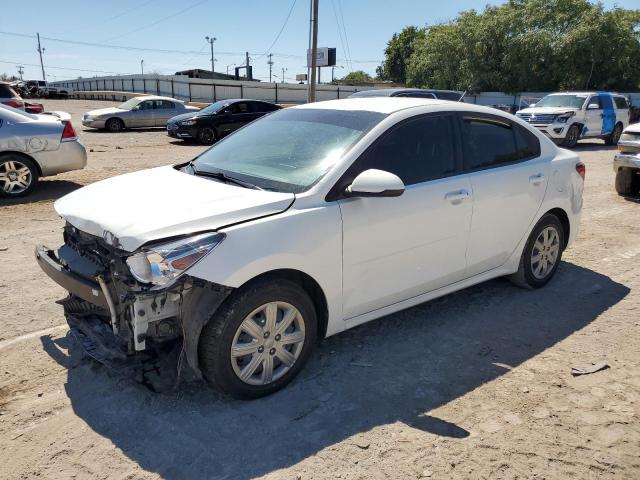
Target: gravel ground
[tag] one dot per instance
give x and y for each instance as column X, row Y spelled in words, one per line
column 473, row 385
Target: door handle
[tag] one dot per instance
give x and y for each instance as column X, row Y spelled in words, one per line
column 455, row 198
column 536, row 179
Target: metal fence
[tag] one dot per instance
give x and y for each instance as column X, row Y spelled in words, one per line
column 205, row 90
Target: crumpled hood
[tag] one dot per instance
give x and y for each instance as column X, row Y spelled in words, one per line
column 548, row 110
column 104, row 111
column 153, row 204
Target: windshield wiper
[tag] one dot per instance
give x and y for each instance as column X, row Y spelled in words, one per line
column 225, row 178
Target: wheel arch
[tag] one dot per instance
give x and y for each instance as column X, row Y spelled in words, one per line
column 309, row 285
column 115, row 117
column 561, row 215
column 23, row 155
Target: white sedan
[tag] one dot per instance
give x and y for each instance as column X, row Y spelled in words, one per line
column 34, row 146
column 310, row 221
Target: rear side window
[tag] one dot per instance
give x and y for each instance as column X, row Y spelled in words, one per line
column 492, row 142
column 621, row 103
column 7, row 92
column 416, row 151
column 260, row 107
column 241, row 107
column 167, row 104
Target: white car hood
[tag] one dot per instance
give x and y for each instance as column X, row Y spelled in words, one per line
column 548, row 110
column 133, row 209
column 633, row 128
column 105, row 111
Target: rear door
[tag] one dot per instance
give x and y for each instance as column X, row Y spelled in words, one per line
column 165, row 109
column 508, row 180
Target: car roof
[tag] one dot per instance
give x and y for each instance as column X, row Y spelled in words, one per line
column 157, row 97
column 391, row 91
column 389, row 105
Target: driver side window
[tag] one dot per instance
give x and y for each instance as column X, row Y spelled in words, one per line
column 595, row 99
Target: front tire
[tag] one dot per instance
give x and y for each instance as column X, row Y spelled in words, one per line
column 207, row 135
column 259, row 339
column 18, row 176
column 572, row 137
column 627, row 181
column 542, row 254
column 615, row 135
column 114, row 125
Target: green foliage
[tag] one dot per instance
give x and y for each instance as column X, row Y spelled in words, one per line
column 523, row 45
column 397, row 54
column 357, row 77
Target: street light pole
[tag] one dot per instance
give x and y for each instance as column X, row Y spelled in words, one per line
column 213, row 60
column 41, row 51
column 313, row 40
column 142, row 66
column 283, row 70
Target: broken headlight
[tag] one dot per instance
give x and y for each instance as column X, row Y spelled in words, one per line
column 162, row 264
column 565, row 117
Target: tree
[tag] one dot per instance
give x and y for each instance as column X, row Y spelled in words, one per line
column 529, row 45
column 356, row 78
column 397, row 53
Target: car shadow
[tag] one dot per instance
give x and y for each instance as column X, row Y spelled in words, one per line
column 125, row 131
column 395, row 369
column 45, row 190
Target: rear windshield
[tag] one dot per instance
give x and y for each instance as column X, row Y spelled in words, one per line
column 7, row 92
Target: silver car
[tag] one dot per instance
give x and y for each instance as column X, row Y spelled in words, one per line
column 34, row 146
column 137, row 112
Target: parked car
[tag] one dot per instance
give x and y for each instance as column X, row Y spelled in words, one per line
column 626, row 163
column 570, row 116
column 452, row 95
column 34, row 146
column 310, row 221
column 137, row 112
column 9, row 97
column 218, row 119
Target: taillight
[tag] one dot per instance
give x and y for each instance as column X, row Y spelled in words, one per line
column 581, row 169
column 15, row 104
column 68, row 133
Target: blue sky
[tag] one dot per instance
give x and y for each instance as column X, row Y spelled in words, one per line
column 238, row 25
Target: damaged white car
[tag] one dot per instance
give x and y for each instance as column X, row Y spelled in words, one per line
column 34, row 146
column 310, row 221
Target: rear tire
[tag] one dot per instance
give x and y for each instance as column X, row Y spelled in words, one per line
column 542, row 254
column 18, row 176
column 572, row 137
column 627, row 181
column 242, row 323
column 114, row 125
column 615, row 135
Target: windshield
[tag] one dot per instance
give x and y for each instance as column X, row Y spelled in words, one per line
column 129, row 104
column 570, row 101
column 289, row 150
column 215, row 107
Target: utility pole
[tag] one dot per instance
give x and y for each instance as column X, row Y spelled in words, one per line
column 213, row 60
column 20, row 70
column 270, row 62
column 283, row 70
column 249, row 77
column 142, row 66
column 41, row 51
column 313, row 41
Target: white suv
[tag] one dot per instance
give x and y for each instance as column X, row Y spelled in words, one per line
column 310, row 221
column 568, row 117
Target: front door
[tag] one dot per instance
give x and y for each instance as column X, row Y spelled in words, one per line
column 509, row 179
column 395, row 248
column 594, row 116
column 142, row 115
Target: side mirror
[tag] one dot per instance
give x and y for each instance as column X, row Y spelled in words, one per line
column 593, row 106
column 376, row 183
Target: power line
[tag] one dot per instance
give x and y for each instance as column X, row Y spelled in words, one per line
column 119, row 15
column 335, row 14
column 344, row 28
column 66, row 68
column 152, row 24
column 280, row 32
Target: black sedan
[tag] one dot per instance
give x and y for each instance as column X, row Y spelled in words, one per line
column 218, row 119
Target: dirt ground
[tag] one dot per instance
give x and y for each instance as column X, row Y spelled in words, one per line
column 474, row 385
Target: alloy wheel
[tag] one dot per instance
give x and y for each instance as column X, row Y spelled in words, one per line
column 267, row 343
column 15, row 177
column 545, row 253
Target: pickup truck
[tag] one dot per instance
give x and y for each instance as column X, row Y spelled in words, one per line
column 570, row 116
